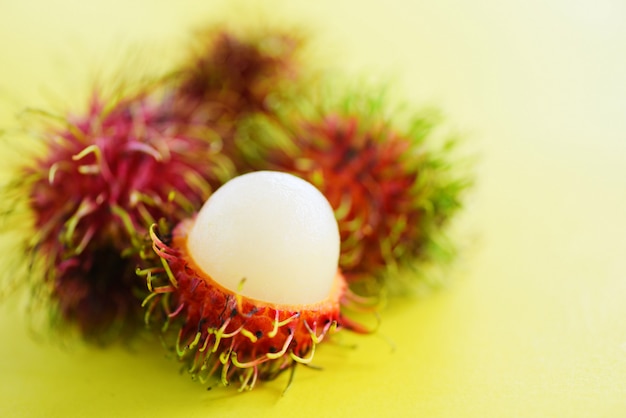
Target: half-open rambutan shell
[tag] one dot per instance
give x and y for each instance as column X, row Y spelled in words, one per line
column 219, row 333
column 248, row 287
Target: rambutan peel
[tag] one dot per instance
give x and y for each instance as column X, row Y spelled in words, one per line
column 221, row 328
column 233, row 335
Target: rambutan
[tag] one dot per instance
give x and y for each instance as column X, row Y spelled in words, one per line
column 241, row 72
column 393, row 190
column 230, row 76
column 103, row 178
column 249, row 287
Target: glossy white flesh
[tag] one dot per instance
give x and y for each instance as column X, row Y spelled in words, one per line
column 274, row 230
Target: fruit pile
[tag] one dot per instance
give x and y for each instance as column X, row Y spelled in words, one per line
column 113, row 195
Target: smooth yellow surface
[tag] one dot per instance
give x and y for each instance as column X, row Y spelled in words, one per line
column 534, row 323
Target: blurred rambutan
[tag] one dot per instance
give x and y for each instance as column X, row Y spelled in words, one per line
column 240, row 72
column 101, row 180
column 232, row 75
column 394, row 189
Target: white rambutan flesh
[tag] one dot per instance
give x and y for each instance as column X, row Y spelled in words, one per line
column 268, row 236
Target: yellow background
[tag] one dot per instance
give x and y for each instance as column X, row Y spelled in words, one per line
column 534, row 323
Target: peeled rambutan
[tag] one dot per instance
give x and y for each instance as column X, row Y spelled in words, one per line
column 247, row 288
column 101, row 180
column 393, row 190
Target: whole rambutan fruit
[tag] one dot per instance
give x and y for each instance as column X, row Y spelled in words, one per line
column 393, row 190
column 241, row 72
column 101, row 180
column 249, row 287
column 232, row 75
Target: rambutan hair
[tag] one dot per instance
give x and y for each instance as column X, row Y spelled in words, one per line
column 243, row 72
column 221, row 336
column 392, row 182
column 230, row 76
column 101, row 180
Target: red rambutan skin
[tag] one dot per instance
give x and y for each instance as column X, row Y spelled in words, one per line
column 103, row 179
column 223, row 333
column 364, row 170
column 230, row 77
column 358, row 169
column 369, row 176
column 240, row 72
